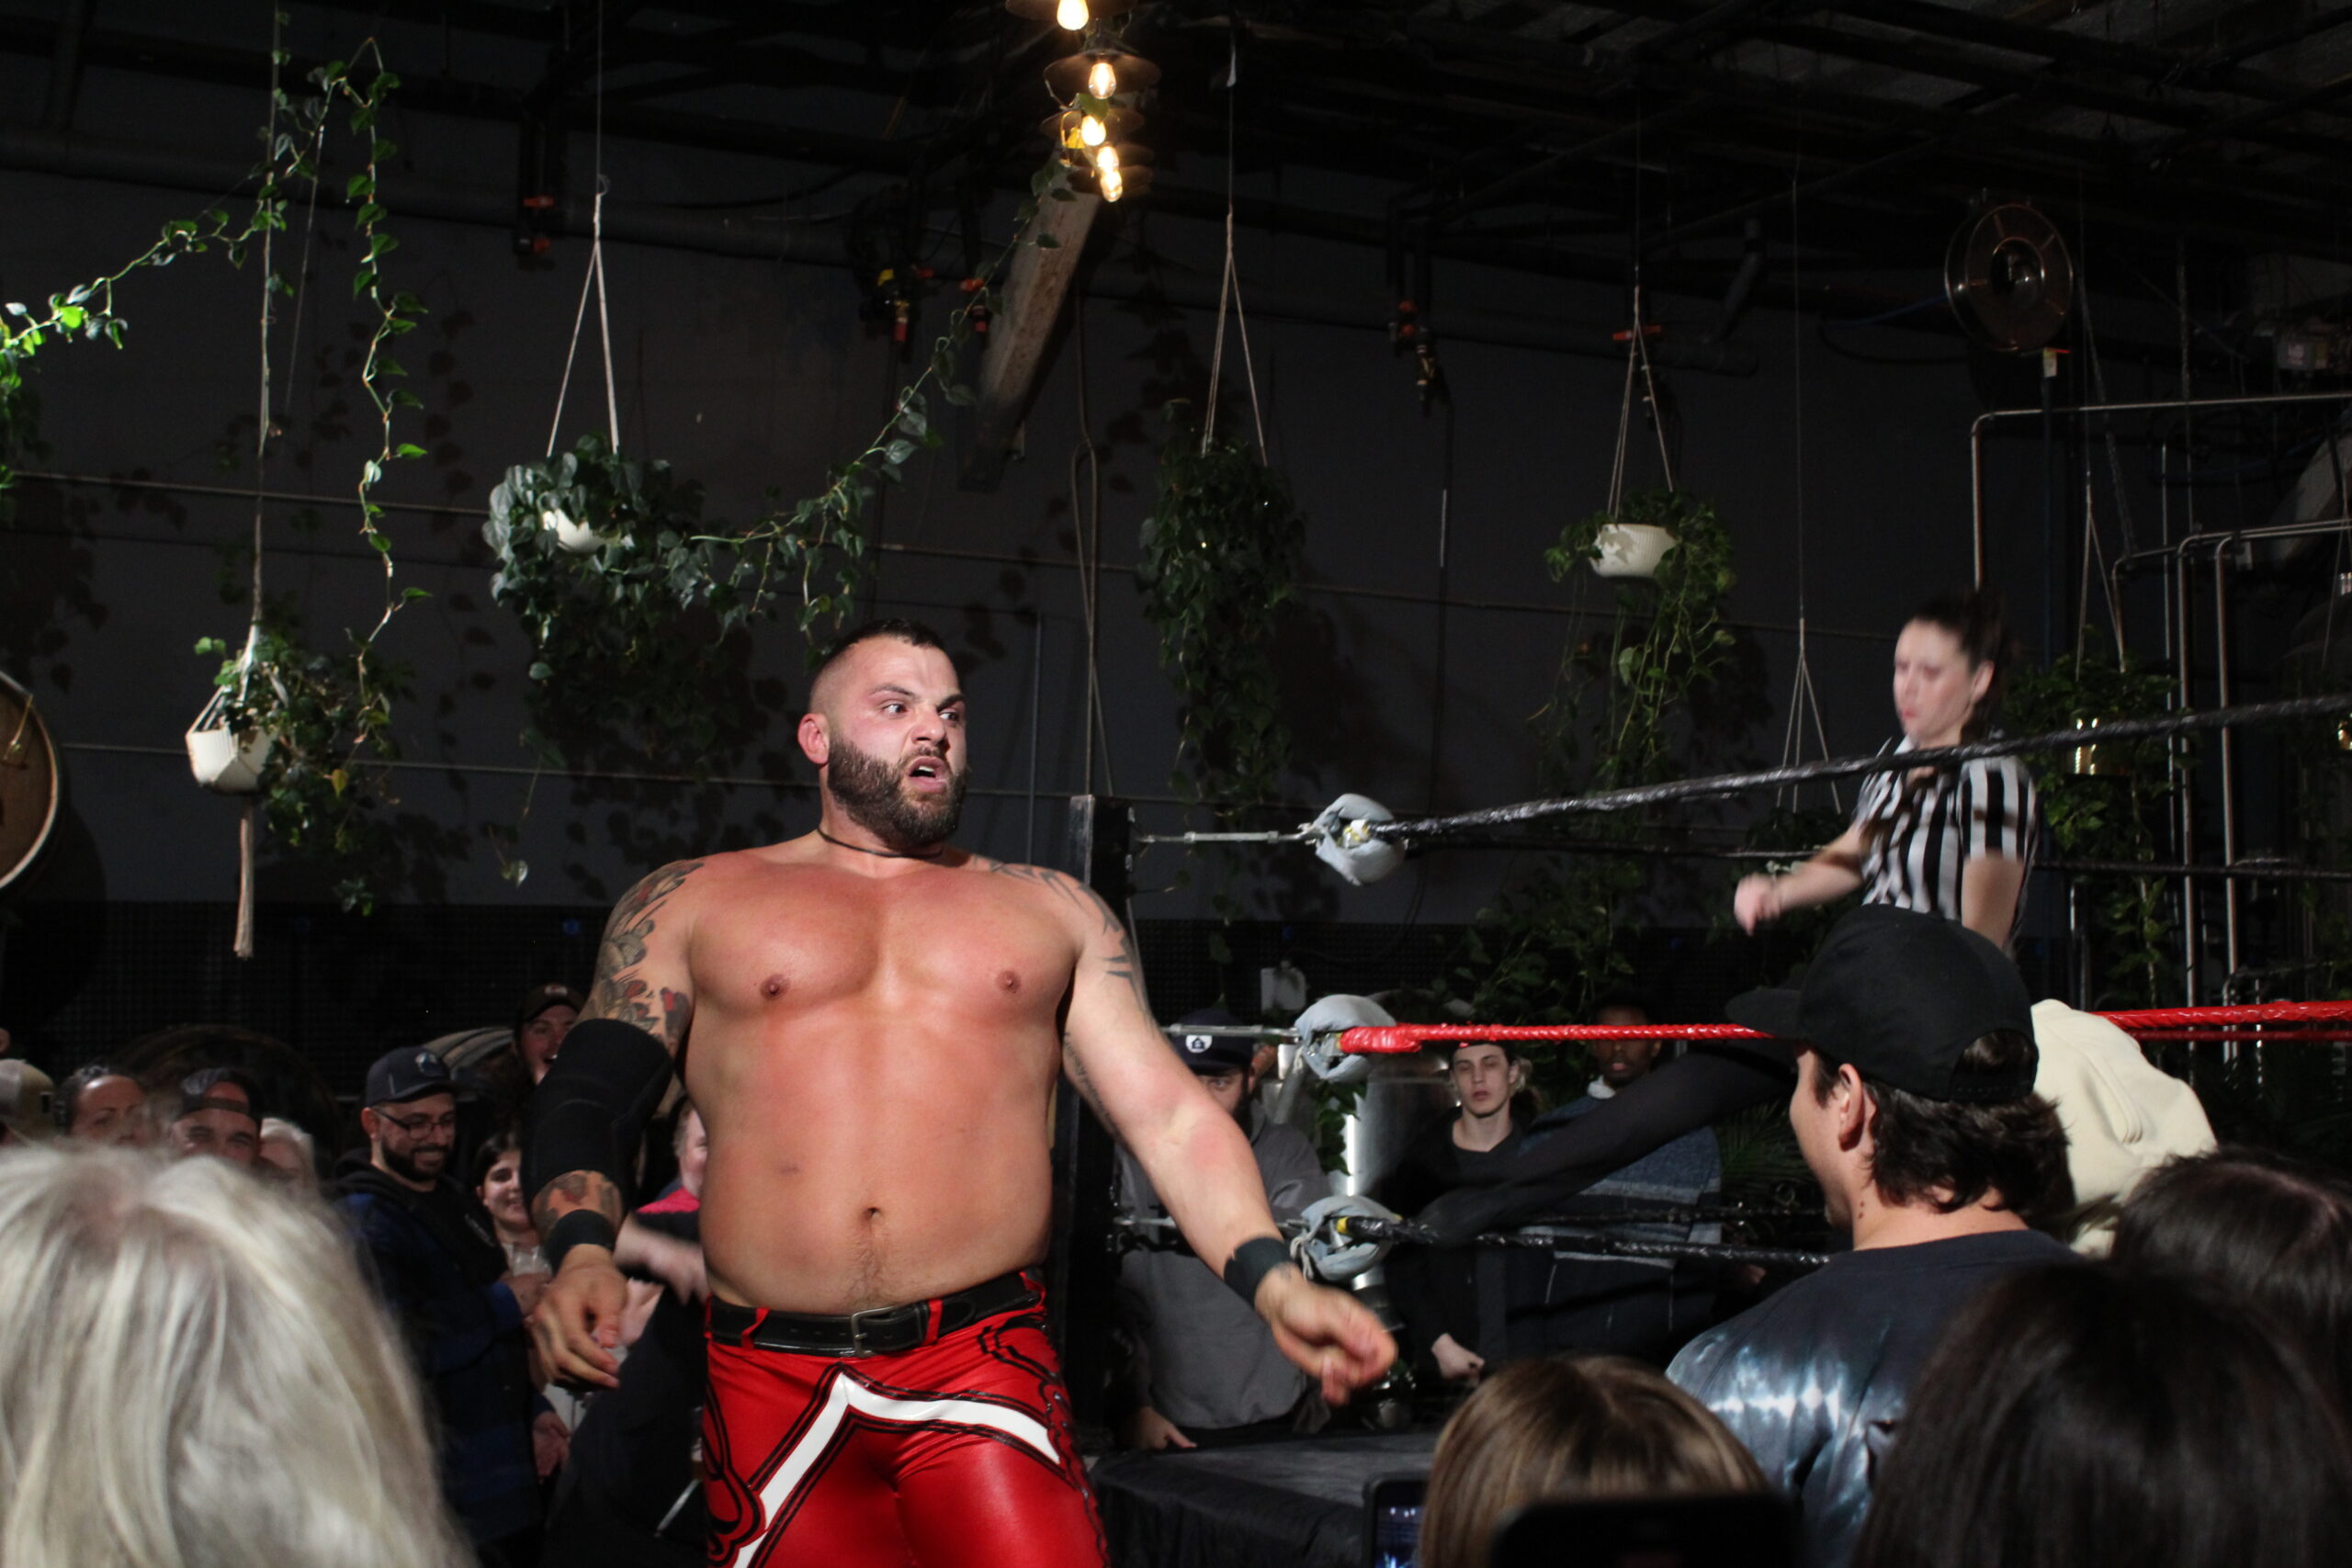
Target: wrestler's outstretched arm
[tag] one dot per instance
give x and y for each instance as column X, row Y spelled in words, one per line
column 586, row 1117
column 1197, row 1156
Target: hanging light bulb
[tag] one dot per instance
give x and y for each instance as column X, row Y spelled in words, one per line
column 1091, row 131
column 1071, row 14
column 1114, row 185
column 1106, row 161
column 1102, row 81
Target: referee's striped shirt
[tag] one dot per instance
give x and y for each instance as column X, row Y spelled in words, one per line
column 1920, row 834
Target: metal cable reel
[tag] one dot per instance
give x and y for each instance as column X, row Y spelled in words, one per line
column 2009, row 279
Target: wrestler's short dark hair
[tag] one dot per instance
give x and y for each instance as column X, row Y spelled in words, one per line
column 2015, row 1148
column 906, row 631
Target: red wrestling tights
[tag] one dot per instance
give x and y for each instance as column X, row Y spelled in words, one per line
column 954, row 1455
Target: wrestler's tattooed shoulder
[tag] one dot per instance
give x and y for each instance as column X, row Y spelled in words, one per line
column 1065, row 887
column 622, row 989
column 1110, row 942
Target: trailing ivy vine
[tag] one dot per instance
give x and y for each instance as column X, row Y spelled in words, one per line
column 1220, row 559
column 328, row 715
column 628, row 618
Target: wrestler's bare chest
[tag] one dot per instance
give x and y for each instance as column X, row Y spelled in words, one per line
column 798, row 942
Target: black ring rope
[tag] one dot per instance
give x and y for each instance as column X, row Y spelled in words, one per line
column 1637, row 796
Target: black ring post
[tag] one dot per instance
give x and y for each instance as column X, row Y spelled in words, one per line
column 1079, row 1270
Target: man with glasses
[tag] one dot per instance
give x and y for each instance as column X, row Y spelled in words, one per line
column 437, row 1263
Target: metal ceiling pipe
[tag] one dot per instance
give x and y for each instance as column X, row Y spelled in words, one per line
column 86, row 158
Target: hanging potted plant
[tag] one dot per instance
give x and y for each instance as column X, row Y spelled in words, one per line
column 223, row 757
column 603, row 556
column 1220, row 555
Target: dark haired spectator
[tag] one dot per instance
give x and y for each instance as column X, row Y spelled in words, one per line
column 2095, row 1415
column 1915, row 1110
column 103, row 1104
column 1452, row 1298
column 1567, row 1300
column 437, row 1263
column 2265, row 1225
column 219, row 1116
column 27, row 1097
column 1556, row 1428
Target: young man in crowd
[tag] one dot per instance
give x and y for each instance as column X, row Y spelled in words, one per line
column 546, row 1016
column 436, row 1259
column 1206, row 1372
column 1452, row 1298
column 1915, row 1110
column 872, row 1022
column 218, row 1117
column 1563, row 1300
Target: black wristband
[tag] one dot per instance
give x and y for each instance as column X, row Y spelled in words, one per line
column 581, row 1228
column 1251, row 1262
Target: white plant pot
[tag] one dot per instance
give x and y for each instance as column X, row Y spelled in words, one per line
column 220, row 763
column 577, row 538
column 1630, row 549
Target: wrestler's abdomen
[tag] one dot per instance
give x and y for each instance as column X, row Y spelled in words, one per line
column 875, row 1060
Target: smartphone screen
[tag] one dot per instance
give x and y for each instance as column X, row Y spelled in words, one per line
column 1750, row 1531
column 1392, row 1507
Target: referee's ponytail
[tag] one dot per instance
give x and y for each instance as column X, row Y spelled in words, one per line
column 1973, row 619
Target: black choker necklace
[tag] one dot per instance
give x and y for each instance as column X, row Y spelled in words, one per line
column 882, row 854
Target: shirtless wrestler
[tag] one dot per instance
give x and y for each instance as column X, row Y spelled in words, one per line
column 871, row 1022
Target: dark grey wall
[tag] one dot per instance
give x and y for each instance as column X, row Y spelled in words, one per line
column 747, row 374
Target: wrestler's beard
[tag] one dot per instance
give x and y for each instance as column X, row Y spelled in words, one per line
column 872, row 793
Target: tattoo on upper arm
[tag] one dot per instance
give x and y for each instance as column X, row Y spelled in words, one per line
column 620, row 992
column 1120, row 962
column 575, row 1190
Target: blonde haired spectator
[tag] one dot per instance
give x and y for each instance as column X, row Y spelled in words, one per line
column 198, row 1378
column 288, row 1156
column 1593, row 1426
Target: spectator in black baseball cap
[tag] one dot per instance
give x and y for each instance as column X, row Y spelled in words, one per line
column 1204, row 1371
column 436, row 1257
column 218, row 1115
column 541, row 1021
column 1915, row 1110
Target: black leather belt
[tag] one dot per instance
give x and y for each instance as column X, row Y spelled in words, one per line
column 878, row 1331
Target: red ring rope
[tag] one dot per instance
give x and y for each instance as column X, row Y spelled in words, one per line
column 2206, row 1023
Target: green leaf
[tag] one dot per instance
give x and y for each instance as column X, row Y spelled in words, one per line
column 408, row 449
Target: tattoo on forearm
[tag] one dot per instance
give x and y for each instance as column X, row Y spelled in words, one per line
column 575, row 1190
column 620, row 992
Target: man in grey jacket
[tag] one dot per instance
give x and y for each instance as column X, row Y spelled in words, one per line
column 1205, row 1371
